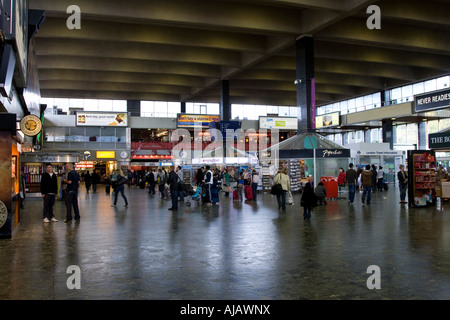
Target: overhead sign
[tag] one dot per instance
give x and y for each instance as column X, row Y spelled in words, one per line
column 282, row 123
column 440, row 140
column 432, row 100
column 101, row 119
column 328, row 120
column 106, row 154
column 192, row 120
column 30, row 125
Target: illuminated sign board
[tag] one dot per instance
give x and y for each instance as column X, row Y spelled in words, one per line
column 328, row 120
column 106, row 154
column 101, row 119
column 84, row 165
column 282, row 123
column 191, row 120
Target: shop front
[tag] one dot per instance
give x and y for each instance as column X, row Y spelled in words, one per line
column 9, row 177
column 440, row 144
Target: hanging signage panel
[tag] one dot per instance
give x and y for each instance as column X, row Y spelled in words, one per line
column 102, row 119
column 432, row 100
column 282, row 123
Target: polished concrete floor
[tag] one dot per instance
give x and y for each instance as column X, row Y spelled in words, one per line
column 232, row 251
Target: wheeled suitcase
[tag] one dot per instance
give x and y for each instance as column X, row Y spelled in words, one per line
column 248, row 192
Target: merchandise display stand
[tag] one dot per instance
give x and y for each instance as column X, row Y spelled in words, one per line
column 421, row 178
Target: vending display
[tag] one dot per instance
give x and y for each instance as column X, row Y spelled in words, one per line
column 421, row 178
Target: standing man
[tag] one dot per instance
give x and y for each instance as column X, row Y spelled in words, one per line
column 366, row 181
column 173, row 182
column 49, row 188
column 72, row 181
column 180, row 183
column 351, row 179
column 402, row 183
column 95, row 180
column 151, row 182
column 209, row 180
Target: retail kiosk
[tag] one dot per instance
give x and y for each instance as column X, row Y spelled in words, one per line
column 310, row 154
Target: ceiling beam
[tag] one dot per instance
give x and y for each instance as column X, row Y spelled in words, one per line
column 139, row 51
column 128, row 65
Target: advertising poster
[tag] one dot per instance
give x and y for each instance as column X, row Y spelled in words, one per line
column 286, row 123
column 328, row 120
column 101, row 119
column 191, row 120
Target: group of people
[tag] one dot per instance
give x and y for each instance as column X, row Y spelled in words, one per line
column 211, row 181
column 49, row 190
column 363, row 178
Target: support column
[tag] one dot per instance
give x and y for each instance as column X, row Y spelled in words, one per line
column 388, row 135
column 367, row 136
column 183, row 107
column 225, row 106
column 422, row 136
column 305, row 83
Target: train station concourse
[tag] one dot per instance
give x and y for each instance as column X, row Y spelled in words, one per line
column 254, row 150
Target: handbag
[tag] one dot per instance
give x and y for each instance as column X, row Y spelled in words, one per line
column 289, row 198
column 276, row 189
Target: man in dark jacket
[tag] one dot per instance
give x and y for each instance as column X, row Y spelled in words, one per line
column 49, row 188
column 351, row 179
column 172, row 181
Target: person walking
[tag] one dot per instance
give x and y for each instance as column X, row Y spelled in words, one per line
column 121, row 180
column 255, row 183
column 308, row 200
column 87, row 181
column 215, row 186
column 380, row 178
column 161, row 181
column 180, row 183
column 95, row 180
column 367, row 183
column 226, row 182
column 374, row 178
column 402, row 177
column 341, row 178
column 209, row 180
column 351, row 180
column 49, row 189
column 151, row 182
column 73, row 182
column 283, row 179
column 172, row 181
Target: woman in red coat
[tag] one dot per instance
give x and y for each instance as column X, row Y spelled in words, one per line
column 341, row 178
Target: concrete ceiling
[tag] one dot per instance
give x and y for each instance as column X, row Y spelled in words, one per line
column 180, row 50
